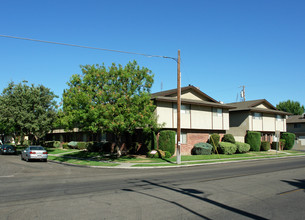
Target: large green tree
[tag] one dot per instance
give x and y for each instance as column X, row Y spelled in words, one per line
column 27, row 110
column 114, row 100
column 292, row 107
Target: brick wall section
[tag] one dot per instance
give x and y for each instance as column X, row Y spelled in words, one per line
column 194, row 138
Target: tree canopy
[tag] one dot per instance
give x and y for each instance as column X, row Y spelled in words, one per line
column 292, row 107
column 27, row 110
column 114, row 99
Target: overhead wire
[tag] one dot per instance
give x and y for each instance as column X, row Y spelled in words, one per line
column 87, row 47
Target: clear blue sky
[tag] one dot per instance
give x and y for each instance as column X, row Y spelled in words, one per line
column 224, row 43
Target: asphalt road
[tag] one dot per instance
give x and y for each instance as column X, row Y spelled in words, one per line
column 266, row 189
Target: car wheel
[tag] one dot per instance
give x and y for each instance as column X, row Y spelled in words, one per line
column 45, row 160
column 21, row 157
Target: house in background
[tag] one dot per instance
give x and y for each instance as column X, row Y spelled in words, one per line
column 201, row 115
column 296, row 125
column 256, row 115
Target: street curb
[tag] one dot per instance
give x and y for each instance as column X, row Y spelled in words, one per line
column 176, row 166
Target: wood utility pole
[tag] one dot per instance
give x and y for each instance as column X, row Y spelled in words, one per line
column 178, row 154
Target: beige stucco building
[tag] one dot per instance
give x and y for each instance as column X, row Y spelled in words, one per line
column 256, row 115
column 201, row 115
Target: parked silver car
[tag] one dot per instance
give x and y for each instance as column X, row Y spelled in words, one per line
column 34, row 153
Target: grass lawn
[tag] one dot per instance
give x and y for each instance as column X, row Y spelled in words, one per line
column 81, row 162
column 85, row 158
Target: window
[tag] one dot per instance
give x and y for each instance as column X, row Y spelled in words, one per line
column 257, row 116
column 217, row 112
column 183, row 138
column 297, row 125
column 279, row 118
column 185, row 109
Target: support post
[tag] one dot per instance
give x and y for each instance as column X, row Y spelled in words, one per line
column 178, row 153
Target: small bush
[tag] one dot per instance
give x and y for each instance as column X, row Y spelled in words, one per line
column 56, row 144
column 82, row 145
column 214, row 140
column 167, row 141
column 253, row 138
column 265, row 146
column 167, row 154
column 289, row 139
column 227, row 148
column 228, row 138
column 202, row 149
column 65, row 146
column 242, row 147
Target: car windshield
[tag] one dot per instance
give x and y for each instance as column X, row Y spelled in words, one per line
column 36, row 148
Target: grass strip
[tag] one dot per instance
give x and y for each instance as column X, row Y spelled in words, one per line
column 81, row 161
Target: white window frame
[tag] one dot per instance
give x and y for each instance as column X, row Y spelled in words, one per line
column 217, row 112
column 185, row 109
column 257, row 116
column 279, row 118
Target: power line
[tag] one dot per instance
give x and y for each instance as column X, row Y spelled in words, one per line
column 87, row 47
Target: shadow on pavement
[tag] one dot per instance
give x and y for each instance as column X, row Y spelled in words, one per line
column 194, row 194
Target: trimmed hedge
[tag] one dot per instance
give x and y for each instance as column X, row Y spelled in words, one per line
column 167, row 141
column 227, row 148
column 214, row 140
column 265, row 146
column 289, row 139
column 242, row 147
column 228, row 138
column 202, row 149
column 253, row 138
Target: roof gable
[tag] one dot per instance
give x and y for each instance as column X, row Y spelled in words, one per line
column 188, row 92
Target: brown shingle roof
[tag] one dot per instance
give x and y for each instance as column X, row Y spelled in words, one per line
column 251, row 106
column 165, row 96
column 295, row 119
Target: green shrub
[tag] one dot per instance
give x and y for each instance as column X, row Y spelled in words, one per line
column 202, row 149
column 242, row 147
column 289, row 140
column 65, row 146
column 167, row 141
column 228, row 138
column 227, row 148
column 253, row 138
column 82, row 145
column 214, row 140
column 167, row 154
column 265, row 146
column 56, row 144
